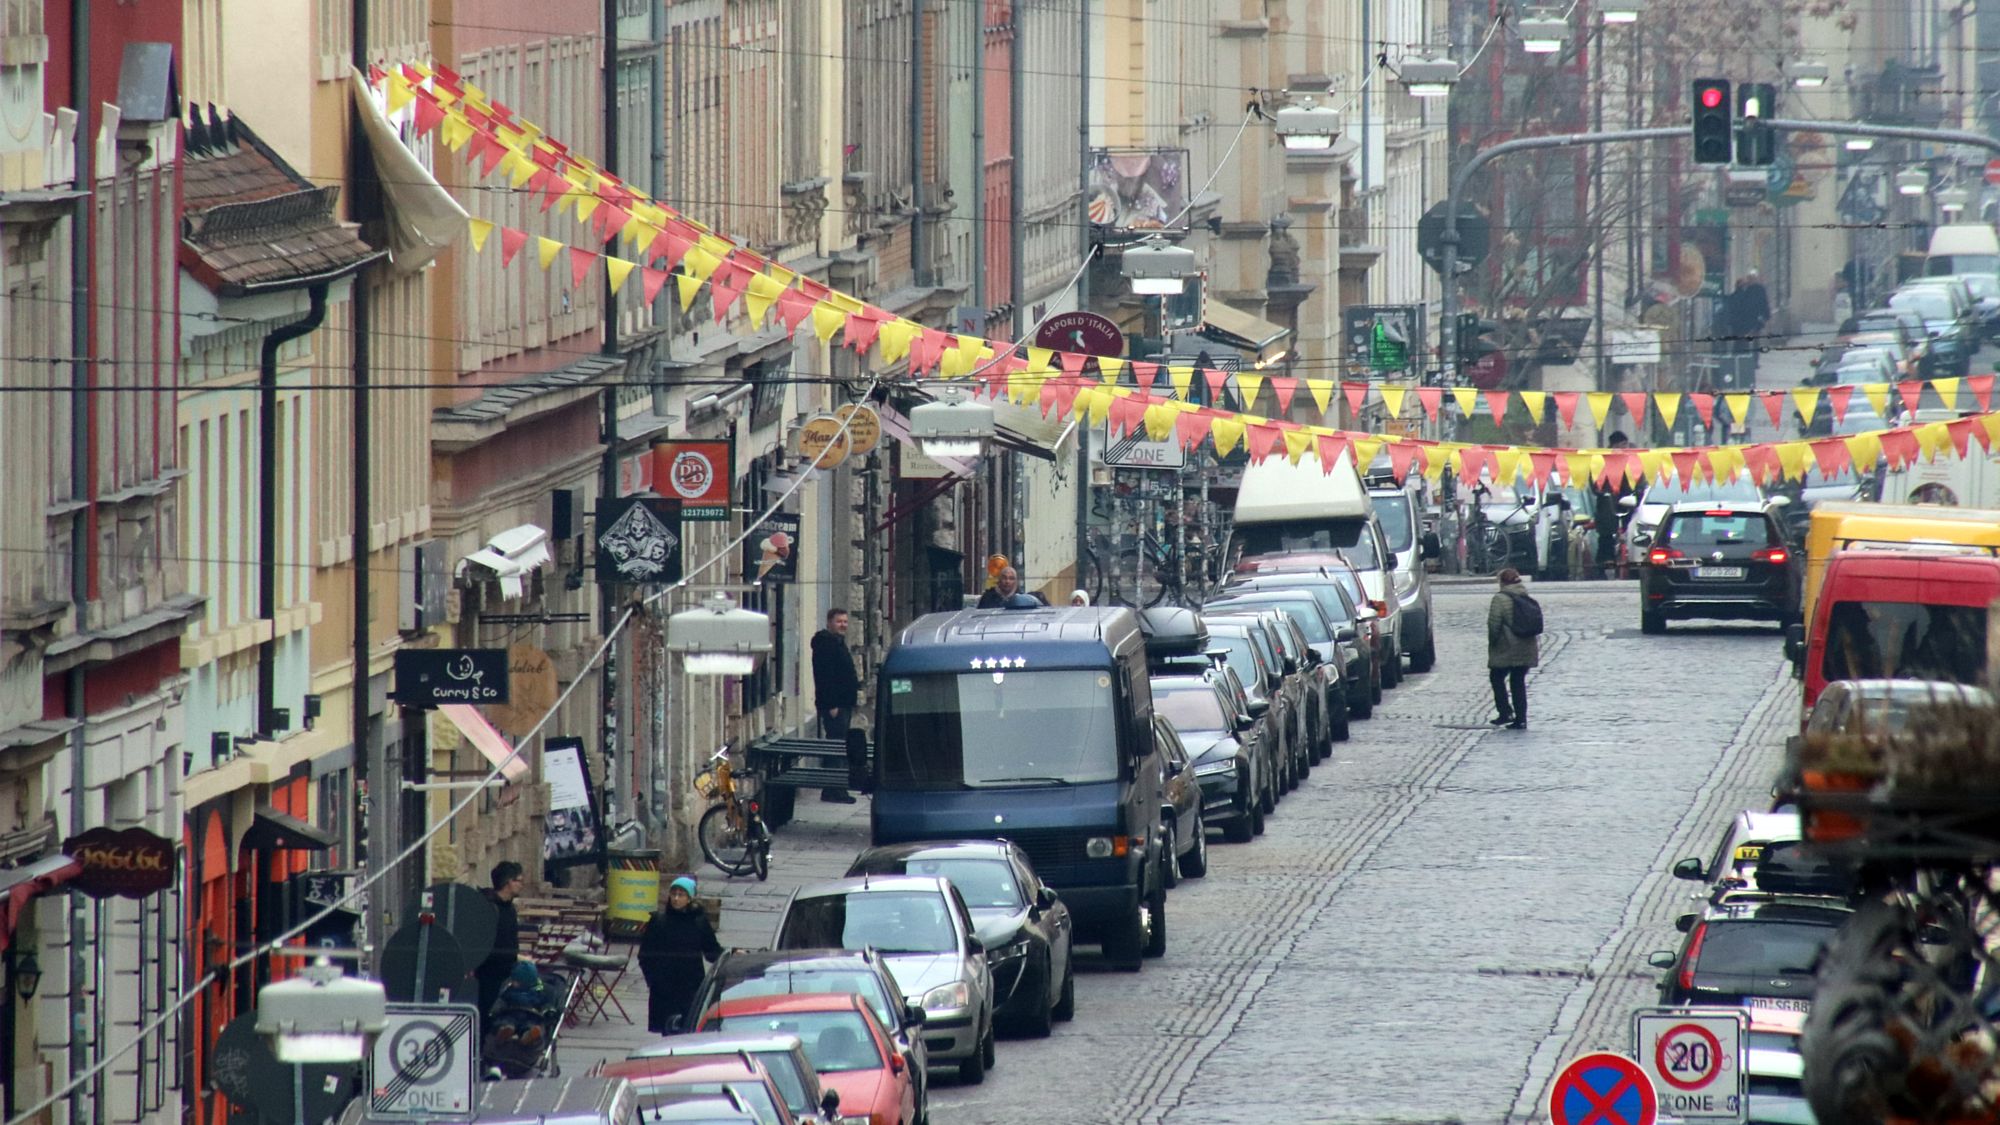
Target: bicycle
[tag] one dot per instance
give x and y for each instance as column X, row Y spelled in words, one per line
column 733, row 826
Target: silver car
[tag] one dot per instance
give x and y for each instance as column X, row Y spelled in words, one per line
column 921, row 929
column 783, row 1055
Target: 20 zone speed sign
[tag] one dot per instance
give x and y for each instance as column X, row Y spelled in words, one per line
column 1694, row 1057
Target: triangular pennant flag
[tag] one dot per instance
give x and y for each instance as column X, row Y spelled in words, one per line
column 1878, row 398
column 727, row 285
column 1600, row 406
column 490, row 151
column 1041, row 360
column 1126, row 413
column 1356, row 395
column 1961, row 434
column 1635, row 405
column 1227, row 432
column 1216, row 380
column 1836, row 398
column 1366, row 450
column 1900, row 447
column 1763, row 463
column 1536, row 403
column 481, row 231
column 670, row 247
column 1792, row 458
column 1947, row 392
column 1181, row 378
column 1191, row 426
column 1071, row 363
column 1159, row 421
column 1297, row 443
column 519, row 170
column 1111, row 369
column 1143, row 375
column 687, row 285
column 456, row 130
column 1831, row 454
column 1739, row 408
column 1583, row 466
column 1912, row 393
column 1807, row 401
column 930, row 345
column 429, row 114
column 1284, row 387
column 617, row 269
column 1435, row 461
column 399, row 92
column 1467, row 399
column 1668, row 404
column 546, row 250
column 1989, row 431
column 511, row 241
column 1982, row 390
column 794, row 308
column 1704, row 407
column 1496, row 401
column 758, row 299
column 827, row 319
column 1402, row 454
column 1566, row 407
column 1544, row 466
column 863, row 326
column 1863, row 450
column 1507, row 462
column 580, row 262
column 1475, row 461
column 896, row 336
column 1934, row 439
column 1392, row 398
column 699, row 263
column 1263, row 440
column 1321, row 391
column 650, row 281
column 1774, row 405
column 1251, row 384
column 1332, row 447
column 1432, row 398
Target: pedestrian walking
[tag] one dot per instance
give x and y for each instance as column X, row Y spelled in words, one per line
column 1005, row 586
column 1513, row 632
column 509, row 880
column 675, row 949
column 836, row 690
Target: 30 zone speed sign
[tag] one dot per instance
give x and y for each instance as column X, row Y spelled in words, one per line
column 1695, row 1058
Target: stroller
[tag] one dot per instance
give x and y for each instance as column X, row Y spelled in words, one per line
column 521, row 1030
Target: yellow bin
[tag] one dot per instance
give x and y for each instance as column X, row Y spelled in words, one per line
column 633, row 892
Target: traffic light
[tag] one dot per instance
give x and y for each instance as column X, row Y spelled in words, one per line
column 1756, row 141
column 1712, row 140
column 1474, row 343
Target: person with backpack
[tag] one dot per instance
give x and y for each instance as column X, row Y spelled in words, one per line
column 1513, row 626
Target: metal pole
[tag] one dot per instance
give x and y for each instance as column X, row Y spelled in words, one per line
column 982, row 222
column 919, row 260
column 375, row 782
column 607, row 677
column 81, row 453
column 611, row 160
column 1085, row 246
column 1603, row 379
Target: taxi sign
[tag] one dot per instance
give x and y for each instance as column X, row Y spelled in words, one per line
column 1694, row 1057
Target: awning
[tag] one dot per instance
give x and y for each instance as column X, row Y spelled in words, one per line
column 510, row 557
column 1258, row 339
column 422, row 217
column 486, row 739
column 19, row 885
column 270, row 829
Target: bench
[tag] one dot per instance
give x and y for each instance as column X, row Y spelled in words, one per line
column 785, row 765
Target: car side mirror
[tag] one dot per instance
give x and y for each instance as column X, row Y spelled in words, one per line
column 973, row 944
column 1345, row 634
column 1660, row 959
column 1628, row 502
column 1244, row 722
column 896, row 1063
column 914, row 1015
column 1642, row 539
column 1684, row 923
column 829, row 1102
column 1689, row 868
column 1045, row 899
column 1780, row 501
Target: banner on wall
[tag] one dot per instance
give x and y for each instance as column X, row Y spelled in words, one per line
column 573, row 835
column 771, row 554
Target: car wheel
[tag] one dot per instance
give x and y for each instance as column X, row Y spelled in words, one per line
column 1376, row 676
column 1065, row 1009
column 1125, row 948
column 989, row 1052
column 1257, row 820
column 1194, row 864
column 1268, row 803
column 1156, row 928
column 1392, row 669
column 1425, row 658
column 1365, row 706
column 1652, row 623
column 972, row 1072
column 1170, row 871
column 1341, row 729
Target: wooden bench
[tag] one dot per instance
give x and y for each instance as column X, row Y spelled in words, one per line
column 784, row 765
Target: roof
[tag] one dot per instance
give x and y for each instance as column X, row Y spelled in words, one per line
column 897, row 853
column 1746, row 507
column 250, row 222
column 782, row 1002
column 687, row 1068
column 1913, row 689
column 803, row 960
column 1047, row 636
column 871, row 883
column 700, row 1043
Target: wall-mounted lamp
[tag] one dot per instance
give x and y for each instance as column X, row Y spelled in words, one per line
column 24, row 973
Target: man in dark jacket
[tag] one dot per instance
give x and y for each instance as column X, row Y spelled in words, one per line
column 1005, row 586
column 509, row 880
column 675, row 950
column 1509, row 655
column 836, row 689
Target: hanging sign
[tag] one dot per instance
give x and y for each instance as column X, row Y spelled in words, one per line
column 128, row 862
column 638, row 540
column 822, row 442
column 771, row 554
column 572, row 836
column 864, row 428
column 696, row 473
column 428, row 677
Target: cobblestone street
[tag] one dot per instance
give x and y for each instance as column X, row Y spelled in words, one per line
column 1440, row 917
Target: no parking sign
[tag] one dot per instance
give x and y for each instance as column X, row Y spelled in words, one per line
column 1695, row 1058
column 1602, row 1088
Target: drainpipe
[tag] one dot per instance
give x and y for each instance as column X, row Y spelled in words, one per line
column 1017, row 270
column 81, row 456
column 1087, row 249
column 375, row 780
column 919, row 260
column 267, row 499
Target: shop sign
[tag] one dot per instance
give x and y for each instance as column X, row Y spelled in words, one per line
column 864, row 428
column 127, row 862
column 696, row 473
column 822, row 441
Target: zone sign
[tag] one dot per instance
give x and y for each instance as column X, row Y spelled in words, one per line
column 1695, row 1059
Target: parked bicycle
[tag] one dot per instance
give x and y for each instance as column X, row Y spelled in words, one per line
column 732, row 832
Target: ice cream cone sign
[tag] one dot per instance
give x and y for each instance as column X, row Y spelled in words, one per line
column 775, row 550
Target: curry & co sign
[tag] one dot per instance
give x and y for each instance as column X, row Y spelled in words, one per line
column 130, row 861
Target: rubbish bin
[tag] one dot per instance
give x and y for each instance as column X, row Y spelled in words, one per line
column 633, row 890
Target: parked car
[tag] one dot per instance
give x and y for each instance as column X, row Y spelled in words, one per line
column 1399, row 509
column 922, row 929
column 1877, row 707
column 1985, row 288
column 1186, row 853
column 1719, row 560
column 1336, row 589
column 740, row 1078
column 1946, row 320
column 1756, row 954
column 847, row 1046
column 1282, row 693
column 1326, row 678
column 1905, row 323
column 1215, row 732
column 1743, row 844
column 684, row 1109
column 1833, row 356
column 1650, row 506
column 1023, row 923
column 782, row 1056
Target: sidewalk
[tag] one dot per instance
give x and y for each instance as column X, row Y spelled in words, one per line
column 818, row 844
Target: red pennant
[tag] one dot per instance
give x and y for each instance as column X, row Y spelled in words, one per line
column 607, row 221
column 1432, row 398
column 376, row 74
column 448, row 78
column 579, row 265
column 1070, row 362
column 1143, row 374
column 1496, row 402
column 548, row 185
column 1263, row 440
column 1900, row 447
column 794, row 308
column 1191, row 426
column 546, row 157
column 928, row 349
column 1545, row 462
column 1685, row 464
column 1402, row 454
column 1831, row 455
column 1961, row 432
column 726, row 285
column 1635, row 405
column 511, row 241
column 1566, row 407
column 1762, row 462
column 1357, row 397
column 1215, row 381
column 1331, row 446
column 1774, row 405
column 1476, row 459
column 1981, row 387
column 863, row 327
column 491, row 152
column 671, row 246
column 429, row 113
column 1912, row 391
column 411, row 74
column 1284, row 386
column 1050, row 395
column 1837, row 397
column 652, row 279
column 1127, row 414
column 1704, row 407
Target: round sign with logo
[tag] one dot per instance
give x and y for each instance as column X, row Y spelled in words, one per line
column 822, row 441
column 1086, row 333
column 691, row 473
column 864, row 428
column 128, row 862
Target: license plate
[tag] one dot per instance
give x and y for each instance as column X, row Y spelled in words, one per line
column 1778, row 1004
column 1719, row 572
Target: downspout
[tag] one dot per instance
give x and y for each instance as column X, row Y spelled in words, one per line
column 1017, row 271
column 1087, row 249
column 982, row 223
column 919, row 260
column 267, row 498
column 609, row 727
column 81, row 455
column 375, row 783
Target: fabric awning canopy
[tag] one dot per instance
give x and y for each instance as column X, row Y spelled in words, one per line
column 19, row 885
column 1258, row 339
column 271, row 829
column 484, row 737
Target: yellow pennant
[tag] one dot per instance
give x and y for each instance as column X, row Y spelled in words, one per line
column 585, row 204
column 1739, row 408
column 1933, row 438
column 1159, row 420
column 1600, row 406
column 546, row 250
column 1392, row 398
column 1878, row 398
column 617, row 269
column 456, row 131
column 1297, row 444
column 519, row 169
column 699, row 263
column 1042, row 361
column 572, row 196
column 1366, row 450
column 400, row 93
column 1507, row 466
column 1947, row 390
column 1668, row 403
column 1991, row 423
column 758, row 298
column 1110, row 367
column 1658, row 465
column 720, row 247
column 1322, row 392
column 1864, row 450
column 638, row 231
column 1181, row 377
column 1434, row 463
column 481, row 231
column 1583, row 466
column 1021, row 385
column 1227, row 432
column 1467, row 399
column 827, row 319
column 687, row 286
column 1792, row 458
column 845, row 303
column 1536, row 402
column 1807, row 400
column 895, row 338
column 1251, row 383
column 1728, row 462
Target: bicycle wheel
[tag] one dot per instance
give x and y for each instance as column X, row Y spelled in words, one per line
column 722, row 841
column 759, row 851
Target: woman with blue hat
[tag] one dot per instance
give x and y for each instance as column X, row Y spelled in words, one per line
column 675, row 950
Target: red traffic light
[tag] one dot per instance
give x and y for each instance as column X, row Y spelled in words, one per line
column 1711, row 97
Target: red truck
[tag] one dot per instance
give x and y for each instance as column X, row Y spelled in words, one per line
column 1910, row 614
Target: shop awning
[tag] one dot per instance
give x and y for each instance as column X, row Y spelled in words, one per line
column 1260, row 341
column 270, row 829
column 488, row 740
column 19, row 886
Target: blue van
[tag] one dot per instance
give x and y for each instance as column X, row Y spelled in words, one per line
column 1033, row 724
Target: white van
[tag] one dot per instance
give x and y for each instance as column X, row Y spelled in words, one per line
column 1963, row 248
column 1282, row 508
column 1399, row 508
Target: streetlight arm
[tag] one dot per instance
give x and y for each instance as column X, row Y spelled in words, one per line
column 1893, row 132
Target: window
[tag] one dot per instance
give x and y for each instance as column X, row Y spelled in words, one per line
column 1352, row 538
column 889, row 922
column 1690, row 531
column 1905, row 640
column 1192, row 709
column 1025, row 728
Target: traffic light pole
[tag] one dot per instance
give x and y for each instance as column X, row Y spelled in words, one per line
column 1462, row 180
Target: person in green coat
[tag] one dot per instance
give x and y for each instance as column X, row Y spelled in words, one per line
column 1509, row 655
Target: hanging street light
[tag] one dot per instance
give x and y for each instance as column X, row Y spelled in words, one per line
column 1952, row 200
column 1428, row 77
column 322, row 1015
column 1912, row 181
column 1543, row 33
column 1810, row 75
column 716, row 638
column 1621, row 11
column 1306, row 127
column 952, row 426
column 1156, row 268
column 1858, row 144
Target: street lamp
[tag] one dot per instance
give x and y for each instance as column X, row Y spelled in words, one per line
column 952, row 426
column 24, row 972
column 1543, row 33
column 1858, row 144
column 1912, row 181
column 1157, row 268
column 1952, row 200
column 716, row 638
column 322, row 1015
column 1428, row 77
column 1306, row 127
column 1810, row 75
column 1622, row 11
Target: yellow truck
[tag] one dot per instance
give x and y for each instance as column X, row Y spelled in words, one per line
column 1839, row 525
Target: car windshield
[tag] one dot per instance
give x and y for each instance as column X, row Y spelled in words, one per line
column 1324, row 591
column 889, row 921
column 784, row 978
column 1761, row 948
column 834, row 1041
column 750, row 1095
column 1880, row 323
column 1239, row 653
column 1353, row 538
column 1191, row 710
column 1905, row 641
column 1720, row 529
column 785, row 1075
column 1300, row 609
column 1393, row 510
column 1933, row 305
column 1982, row 284
column 993, row 728
column 1670, row 492
column 982, row 883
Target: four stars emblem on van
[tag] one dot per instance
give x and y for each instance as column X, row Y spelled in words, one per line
column 999, row 662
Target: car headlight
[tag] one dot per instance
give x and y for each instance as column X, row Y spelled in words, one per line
column 1210, row 769
column 1012, row 951
column 948, row 997
column 1098, row 847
